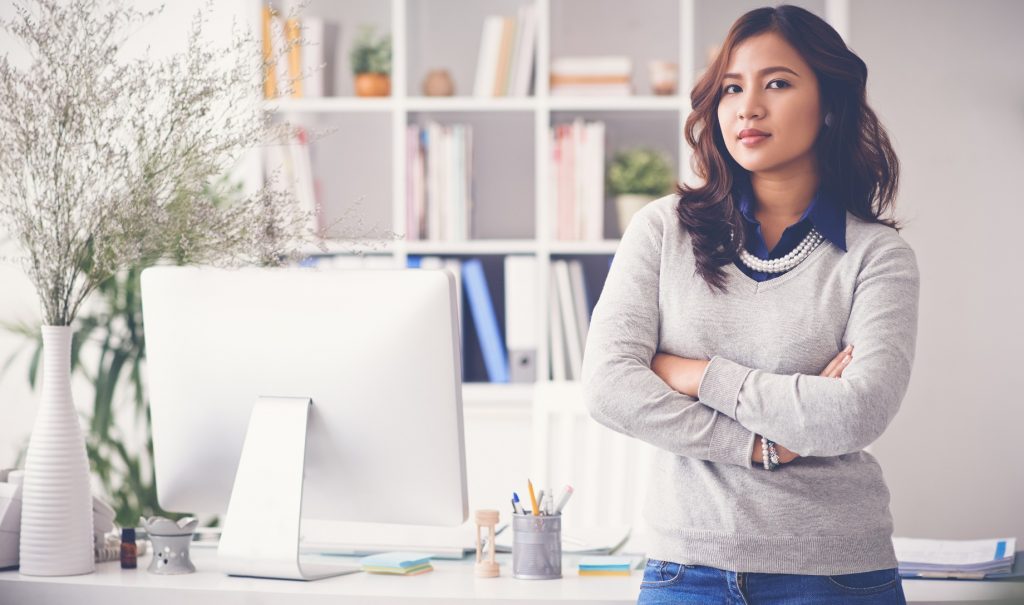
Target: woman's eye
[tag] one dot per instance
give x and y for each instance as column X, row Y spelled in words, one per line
column 781, row 84
column 727, row 90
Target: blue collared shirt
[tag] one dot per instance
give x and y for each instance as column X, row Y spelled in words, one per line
column 822, row 213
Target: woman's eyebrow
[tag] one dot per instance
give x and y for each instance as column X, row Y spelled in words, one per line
column 766, row 70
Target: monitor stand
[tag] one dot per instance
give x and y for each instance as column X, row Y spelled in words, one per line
column 261, row 529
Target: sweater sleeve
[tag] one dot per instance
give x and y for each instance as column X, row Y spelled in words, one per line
column 819, row 416
column 621, row 390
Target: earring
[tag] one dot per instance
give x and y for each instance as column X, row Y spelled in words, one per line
column 828, row 119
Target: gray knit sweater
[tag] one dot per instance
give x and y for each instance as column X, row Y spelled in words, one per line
column 826, row 513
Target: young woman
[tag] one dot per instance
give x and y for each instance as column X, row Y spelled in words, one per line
column 759, row 329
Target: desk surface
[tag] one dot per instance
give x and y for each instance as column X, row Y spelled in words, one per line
column 451, row 582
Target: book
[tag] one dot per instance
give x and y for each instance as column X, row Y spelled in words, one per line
column 556, row 339
column 485, row 321
column 313, row 57
column 508, row 32
column 581, row 306
column 525, row 49
column 521, row 317
column 963, row 559
column 570, row 326
column 487, row 57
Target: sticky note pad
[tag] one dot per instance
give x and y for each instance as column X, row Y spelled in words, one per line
column 606, row 562
column 395, row 560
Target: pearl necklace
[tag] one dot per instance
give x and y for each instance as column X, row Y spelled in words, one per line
column 785, row 263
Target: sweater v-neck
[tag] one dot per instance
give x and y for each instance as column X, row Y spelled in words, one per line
column 751, row 285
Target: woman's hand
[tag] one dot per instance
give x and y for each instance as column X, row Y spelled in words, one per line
column 838, row 364
column 833, row 370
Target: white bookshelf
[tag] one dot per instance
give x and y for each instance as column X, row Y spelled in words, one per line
column 512, row 209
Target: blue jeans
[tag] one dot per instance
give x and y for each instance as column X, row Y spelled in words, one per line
column 666, row 582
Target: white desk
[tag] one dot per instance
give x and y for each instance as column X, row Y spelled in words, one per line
column 451, row 582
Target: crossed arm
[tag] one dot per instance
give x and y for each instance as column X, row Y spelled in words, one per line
column 720, row 406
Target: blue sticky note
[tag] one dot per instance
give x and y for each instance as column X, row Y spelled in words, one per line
column 395, row 559
column 605, row 562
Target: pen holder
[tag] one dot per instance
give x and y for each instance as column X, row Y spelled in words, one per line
column 537, row 547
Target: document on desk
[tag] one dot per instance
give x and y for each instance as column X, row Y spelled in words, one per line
column 361, row 539
column 968, row 559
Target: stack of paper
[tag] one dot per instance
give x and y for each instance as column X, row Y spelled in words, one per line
column 967, row 559
column 606, row 566
column 399, row 563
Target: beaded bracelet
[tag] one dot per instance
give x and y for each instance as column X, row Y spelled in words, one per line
column 768, row 454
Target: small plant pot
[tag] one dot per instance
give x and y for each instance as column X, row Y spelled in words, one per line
column 373, row 85
column 626, row 205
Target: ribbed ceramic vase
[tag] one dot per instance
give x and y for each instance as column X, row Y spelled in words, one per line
column 56, row 513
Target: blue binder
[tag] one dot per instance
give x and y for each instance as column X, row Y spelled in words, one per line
column 485, row 320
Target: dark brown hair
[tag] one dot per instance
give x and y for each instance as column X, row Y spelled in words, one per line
column 858, row 168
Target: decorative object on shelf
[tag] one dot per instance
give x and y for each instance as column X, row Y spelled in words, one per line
column 636, row 177
column 371, row 63
column 664, row 77
column 101, row 173
column 609, row 76
column 170, row 542
column 438, row 83
column 486, row 568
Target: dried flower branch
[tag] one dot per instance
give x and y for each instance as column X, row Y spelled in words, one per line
column 107, row 163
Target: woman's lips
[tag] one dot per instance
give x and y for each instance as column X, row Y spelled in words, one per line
column 752, row 140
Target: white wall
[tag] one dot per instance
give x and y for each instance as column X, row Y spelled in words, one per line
column 945, row 78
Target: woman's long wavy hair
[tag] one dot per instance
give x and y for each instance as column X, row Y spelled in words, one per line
column 858, row 168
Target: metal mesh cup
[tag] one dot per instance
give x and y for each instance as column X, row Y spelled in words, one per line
column 537, row 547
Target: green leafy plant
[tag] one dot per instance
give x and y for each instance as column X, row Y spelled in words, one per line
column 371, row 54
column 640, row 171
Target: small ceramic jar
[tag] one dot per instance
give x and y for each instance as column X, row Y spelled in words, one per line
column 171, row 543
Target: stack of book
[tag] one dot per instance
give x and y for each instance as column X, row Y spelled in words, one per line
column 439, row 181
column 397, row 563
column 577, row 180
column 505, row 63
column 592, row 76
column 293, row 52
column 961, row 559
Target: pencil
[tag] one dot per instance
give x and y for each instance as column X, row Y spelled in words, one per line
column 533, row 498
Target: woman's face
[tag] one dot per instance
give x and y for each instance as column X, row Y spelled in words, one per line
column 769, row 88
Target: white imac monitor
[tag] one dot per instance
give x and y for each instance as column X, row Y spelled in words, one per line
column 286, row 394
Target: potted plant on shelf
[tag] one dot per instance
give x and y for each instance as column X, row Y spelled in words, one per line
column 636, row 177
column 105, row 172
column 371, row 63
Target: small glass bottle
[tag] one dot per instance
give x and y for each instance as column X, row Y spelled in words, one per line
column 129, row 551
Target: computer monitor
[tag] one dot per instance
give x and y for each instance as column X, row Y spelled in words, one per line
column 243, row 355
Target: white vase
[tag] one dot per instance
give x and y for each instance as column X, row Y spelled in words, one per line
column 626, row 205
column 56, row 514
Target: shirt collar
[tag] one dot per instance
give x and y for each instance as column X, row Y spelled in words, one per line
column 828, row 217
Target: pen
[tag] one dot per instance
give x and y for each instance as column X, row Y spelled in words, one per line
column 516, row 507
column 566, row 494
column 540, row 499
column 533, row 498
